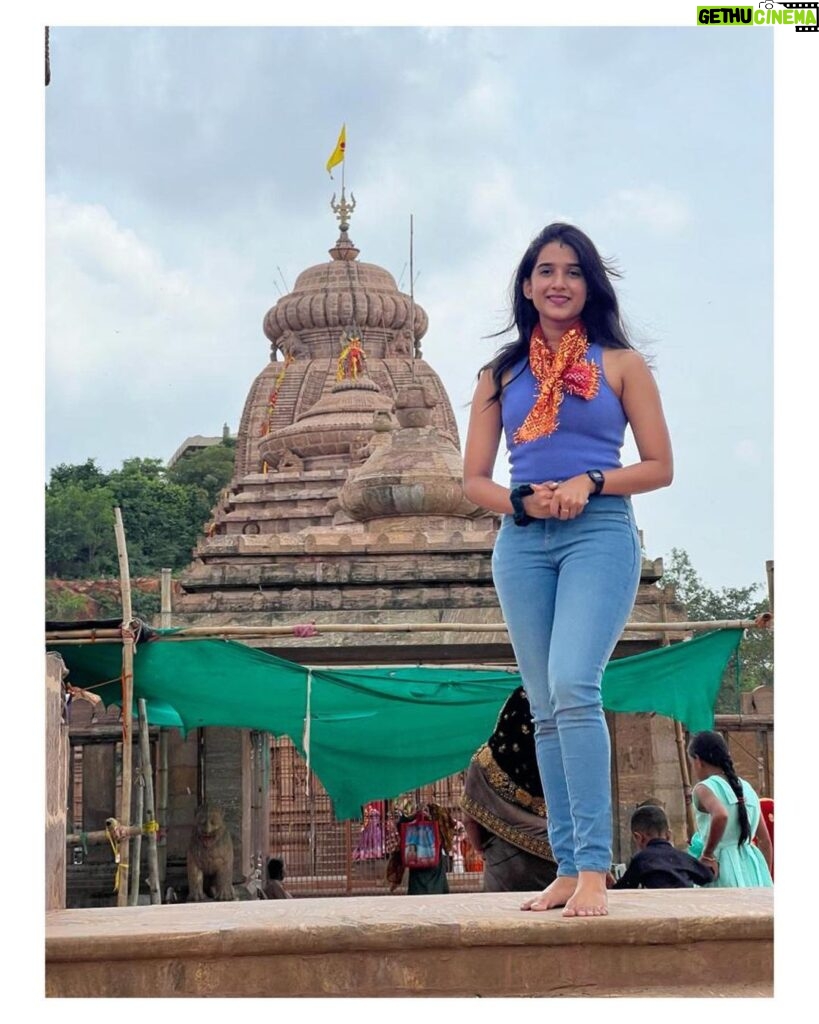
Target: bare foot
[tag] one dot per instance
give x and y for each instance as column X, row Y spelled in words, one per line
column 589, row 898
column 555, row 894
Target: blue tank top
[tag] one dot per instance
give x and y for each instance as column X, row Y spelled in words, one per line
column 589, row 435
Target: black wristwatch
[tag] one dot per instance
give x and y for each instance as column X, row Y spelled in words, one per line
column 597, row 479
column 516, row 496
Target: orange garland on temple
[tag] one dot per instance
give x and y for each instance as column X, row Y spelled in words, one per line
column 273, row 397
column 351, row 360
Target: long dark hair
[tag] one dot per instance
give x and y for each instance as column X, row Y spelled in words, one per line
column 711, row 748
column 601, row 313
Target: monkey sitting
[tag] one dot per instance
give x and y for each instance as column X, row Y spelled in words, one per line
column 210, row 857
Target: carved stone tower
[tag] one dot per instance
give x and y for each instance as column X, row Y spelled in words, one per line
column 346, row 503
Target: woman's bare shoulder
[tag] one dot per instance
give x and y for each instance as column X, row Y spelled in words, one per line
column 622, row 366
column 625, row 358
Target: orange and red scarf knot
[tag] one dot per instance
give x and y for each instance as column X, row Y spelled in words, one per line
column 566, row 370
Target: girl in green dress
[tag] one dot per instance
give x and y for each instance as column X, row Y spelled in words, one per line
column 728, row 817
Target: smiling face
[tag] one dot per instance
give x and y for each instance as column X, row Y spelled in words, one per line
column 556, row 287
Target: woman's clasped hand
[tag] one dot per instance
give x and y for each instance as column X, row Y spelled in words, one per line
column 553, row 500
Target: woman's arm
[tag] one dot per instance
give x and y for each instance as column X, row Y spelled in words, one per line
column 634, row 382
column 480, row 452
column 709, row 802
column 763, row 841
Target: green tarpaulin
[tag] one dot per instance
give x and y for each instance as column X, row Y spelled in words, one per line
column 375, row 733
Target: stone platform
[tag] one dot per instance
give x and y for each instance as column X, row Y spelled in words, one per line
column 653, row 943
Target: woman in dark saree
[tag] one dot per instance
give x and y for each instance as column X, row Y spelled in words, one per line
column 503, row 807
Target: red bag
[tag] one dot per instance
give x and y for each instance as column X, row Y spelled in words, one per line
column 420, row 842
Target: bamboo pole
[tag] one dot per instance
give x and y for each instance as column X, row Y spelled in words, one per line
column 200, row 632
column 101, row 835
column 136, row 845
column 148, row 779
column 690, row 820
column 162, row 803
column 165, row 599
column 682, row 755
column 259, row 813
column 348, row 856
column 127, row 705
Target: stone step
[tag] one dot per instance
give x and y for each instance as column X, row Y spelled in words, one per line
column 696, row 943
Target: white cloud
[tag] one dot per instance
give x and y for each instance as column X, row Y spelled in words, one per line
column 132, row 343
column 654, row 206
column 747, row 451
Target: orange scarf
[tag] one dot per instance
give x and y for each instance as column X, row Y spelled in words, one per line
column 566, row 370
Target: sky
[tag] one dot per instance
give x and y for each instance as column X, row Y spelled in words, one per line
column 186, row 190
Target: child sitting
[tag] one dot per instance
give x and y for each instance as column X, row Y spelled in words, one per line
column 658, row 864
column 275, row 890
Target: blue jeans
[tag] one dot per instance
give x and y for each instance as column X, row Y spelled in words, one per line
column 566, row 589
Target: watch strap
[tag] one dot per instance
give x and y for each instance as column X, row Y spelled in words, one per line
column 597, row 478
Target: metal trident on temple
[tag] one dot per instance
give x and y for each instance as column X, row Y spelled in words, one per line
column 342, row 210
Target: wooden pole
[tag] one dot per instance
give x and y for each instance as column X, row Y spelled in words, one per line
column 136, row 845
column 58, row 755
column 162, row 803
column 101, row 836
column 690, row 819
column 259, row 813
column 198, row 632
column 769, row 572
column 127, row 706
column 165, row 598
column 348, row 856
column 682, row 756
column 149, row 818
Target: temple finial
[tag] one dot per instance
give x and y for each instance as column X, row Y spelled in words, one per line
column 344, row 248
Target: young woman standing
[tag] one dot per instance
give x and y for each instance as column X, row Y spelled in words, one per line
column 567, row 560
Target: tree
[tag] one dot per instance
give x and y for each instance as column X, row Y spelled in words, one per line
column 162, row 515
column 162, row 520
column 87, row 475
column 703, row 603
column 80, row 539
column 210, row 468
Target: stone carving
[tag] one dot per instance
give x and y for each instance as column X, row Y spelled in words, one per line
column 403, row 344
column 290, row 461
column 210, row 857
column 290, row 344
column 414, row 405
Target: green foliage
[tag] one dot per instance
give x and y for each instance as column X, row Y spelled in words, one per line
column 161, row 519
column 145, row 606
column 87, row 475
column 702, row 603
column 80, row 539
column 64, row 606
column 163, row 513
column 210, row 469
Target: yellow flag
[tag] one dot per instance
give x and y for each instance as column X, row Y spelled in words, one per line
column 338, row 153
